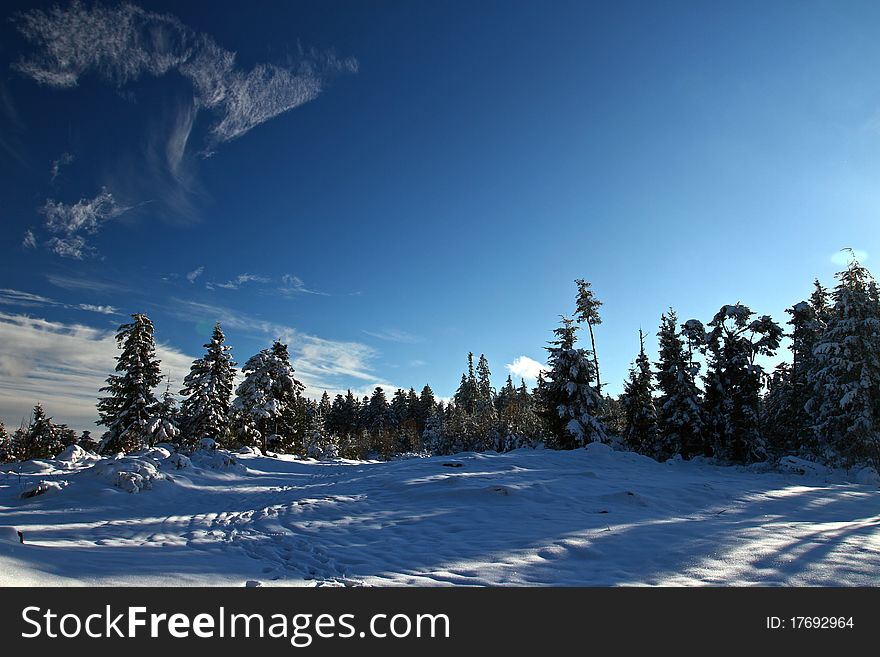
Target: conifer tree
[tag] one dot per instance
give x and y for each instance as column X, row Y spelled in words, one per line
column 378, row 423
column 734, row 381
column 268, row 395
column 638, row 403
column 128, row 410
column 42, row 439
column 165, row 421
column 7, row 453
column 588, row 312
column 571, row 402
column 679, row 415
column 846, row 375
column 207, row 392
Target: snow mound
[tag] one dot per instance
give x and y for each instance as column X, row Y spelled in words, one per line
column 9, row 536
column 207, row 444
column 250, row 451
column 599, row 449
column 42, row 487
column 156, row 453
column 796, row 465
column 177, row 462
column 867, row 475
column 74, row 454
column 130, row 473
column 35, row 466
column 218, row 459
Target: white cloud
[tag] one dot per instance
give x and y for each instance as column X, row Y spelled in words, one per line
column 320, row 364
column 27, row 299
column 238, row 281
column 293, row 285
column 524, row 367
column 394, row 335
column 19, row 298
column 126, row 42
column 62, row 366
column 69, row 222
column 30, row 240
column 64, row 160
column 844, row 257
column 104, row 310
column 194, row 274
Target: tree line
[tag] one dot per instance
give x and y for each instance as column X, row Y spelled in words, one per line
column 707, row 394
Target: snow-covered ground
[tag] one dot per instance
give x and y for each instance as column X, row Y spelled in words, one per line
column 530, row 517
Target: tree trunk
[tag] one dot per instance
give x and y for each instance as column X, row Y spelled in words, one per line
column 595, row 359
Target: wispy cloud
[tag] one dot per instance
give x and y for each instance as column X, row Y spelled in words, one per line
column 294, row 285
column 524, row 367
column 63, row 366
column 64, row 160
column 104, row 310
column 30, row 240
column 69, row 223
column 125, row 42
column 238, row 281
column 194, row 274
column 28, row 299
column 87, row 284
column 394, row 335
column 19, row 298
column 321, row 364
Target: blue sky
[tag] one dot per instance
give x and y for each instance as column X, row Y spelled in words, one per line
column 389, row 185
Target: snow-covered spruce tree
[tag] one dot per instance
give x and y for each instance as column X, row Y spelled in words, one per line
column 640, row 434
column 734, row 381
column 485, row 416
column 128, row 411
column 571, row 402
column 432, row 434
column 268, row 392
column 42, row 439
column 846, row 375
column 166, row 420
column 519, row 424
column 426, row 406
column 378, row 423
column 465, row 397
column 777, row 408
column 7, row 453
column 207, row 392
column 679, row 414
column 786, row 421
column 588, row 312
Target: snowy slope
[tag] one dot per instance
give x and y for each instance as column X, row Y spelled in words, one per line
column 530, row 517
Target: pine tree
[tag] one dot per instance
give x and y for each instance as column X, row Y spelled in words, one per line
column 426, row 406
column 679, row 415
column 466, row 396
column 166, row 420
column 638, row 403
column 268, row 395
column 571, row 402
column 588, row 312
column 734, row 381
column 207, row 392
column 378, row 422
column 42, row 439
column 846, row 375
column 485, row 416
column 129, row 409
column 7, row 453
column 432, row 435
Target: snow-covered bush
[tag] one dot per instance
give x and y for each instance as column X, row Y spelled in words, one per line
column 43, row 487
